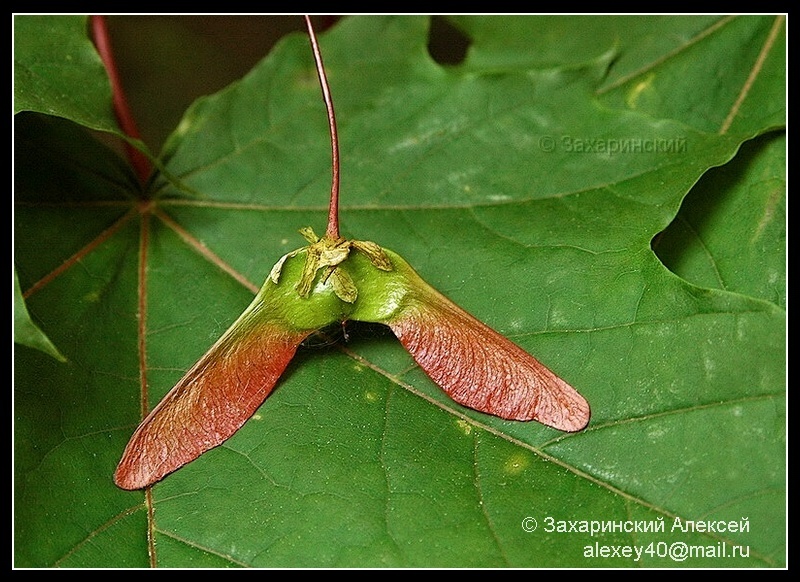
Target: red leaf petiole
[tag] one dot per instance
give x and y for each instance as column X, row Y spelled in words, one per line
column 141, row 164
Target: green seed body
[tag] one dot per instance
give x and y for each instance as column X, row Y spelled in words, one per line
column 381, row 294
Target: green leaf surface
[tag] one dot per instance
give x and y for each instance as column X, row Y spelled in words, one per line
column 750, row 191
column 26, row 332
column 58, row 72
column 528, row 190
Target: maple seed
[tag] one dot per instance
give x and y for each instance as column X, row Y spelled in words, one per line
column 212, row 401
column 331, row 280
column 483, row 370
column 476, row 366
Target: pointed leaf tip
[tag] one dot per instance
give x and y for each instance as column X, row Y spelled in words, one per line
column 26, row 332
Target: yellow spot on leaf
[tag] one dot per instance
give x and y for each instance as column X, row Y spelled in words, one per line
column 516, row 463
column 464, row 426
column 633, row 95
column 92, row 296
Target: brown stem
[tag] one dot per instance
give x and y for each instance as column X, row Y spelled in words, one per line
column 333, row 208
column 102, row 41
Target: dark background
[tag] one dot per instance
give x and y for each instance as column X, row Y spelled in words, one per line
column 166, row 62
